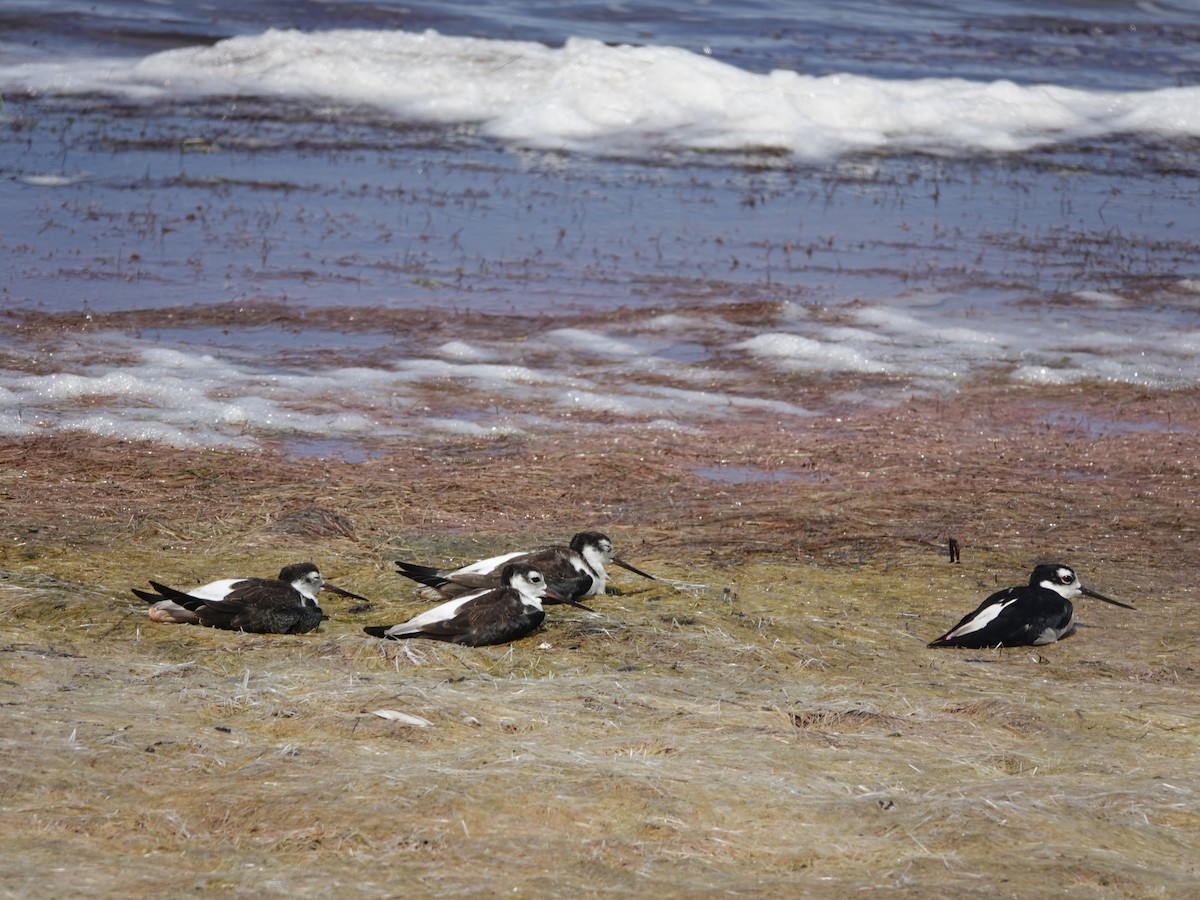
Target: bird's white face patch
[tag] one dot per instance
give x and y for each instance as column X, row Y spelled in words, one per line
column 531, row 586
column 986, row 617
column 1065, row 583
column 599, row 554
column 529, row 583
column 308, row 585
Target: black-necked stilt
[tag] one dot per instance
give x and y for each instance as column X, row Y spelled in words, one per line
column 1037, row 613
column 283, row 605
column 494, row 615
column 588, row 554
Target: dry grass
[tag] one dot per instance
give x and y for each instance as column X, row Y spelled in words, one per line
column 768, row 723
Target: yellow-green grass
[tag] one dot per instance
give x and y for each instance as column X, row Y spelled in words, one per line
column 764, row 720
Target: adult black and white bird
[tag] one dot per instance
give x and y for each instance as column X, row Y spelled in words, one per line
column 494, row 615
column 1029, row 615
column 283, row 605
column 588, row 553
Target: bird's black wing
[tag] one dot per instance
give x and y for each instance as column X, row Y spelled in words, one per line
column 166, row 592
column 994, row 623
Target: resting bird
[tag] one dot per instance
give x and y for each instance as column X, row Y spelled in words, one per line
column 494, row 615
column 283, row 605
column 588, row 553
column 1030, row 615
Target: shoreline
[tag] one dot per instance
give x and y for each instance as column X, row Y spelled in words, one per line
column 1071, row 457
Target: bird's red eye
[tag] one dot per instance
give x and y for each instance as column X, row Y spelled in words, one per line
column 1067, row 579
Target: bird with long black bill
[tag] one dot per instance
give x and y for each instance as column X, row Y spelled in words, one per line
column 283, row 605
column 588, row 553
column 494, row 615
column 1029, row 615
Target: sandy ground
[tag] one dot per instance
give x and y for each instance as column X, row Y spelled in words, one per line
column 765, row 720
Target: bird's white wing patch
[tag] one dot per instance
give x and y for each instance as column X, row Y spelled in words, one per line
column 438, row 614
column 982, row 619
column 214, row 590
column 485, row 566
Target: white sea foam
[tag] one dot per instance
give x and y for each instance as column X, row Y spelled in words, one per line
column 483, row 375
column 52, row 181
column 1100, row 298
column 582, row 340
column 794, row 351
column 681, row 324
column 592, row 97
column 173, row 396
column 465, row 352
column 178, row 398
column 443, row 425
column 593, row 402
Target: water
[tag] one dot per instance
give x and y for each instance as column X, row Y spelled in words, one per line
column 306, row 222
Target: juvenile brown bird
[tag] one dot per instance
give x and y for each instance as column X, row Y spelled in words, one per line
column 283, row 605
column 588, row 554
column 494, row 615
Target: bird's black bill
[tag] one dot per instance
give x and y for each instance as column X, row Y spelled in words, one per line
column 624, row 565
column 568, row 589
column 1088, row 593
column 344, row 593
column 568, row 601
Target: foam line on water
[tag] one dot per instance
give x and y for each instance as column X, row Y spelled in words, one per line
column 591, row 97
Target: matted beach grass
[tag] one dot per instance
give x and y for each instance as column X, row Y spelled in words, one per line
column 763, row 720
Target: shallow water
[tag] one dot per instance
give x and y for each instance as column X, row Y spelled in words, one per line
column 327, row 235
